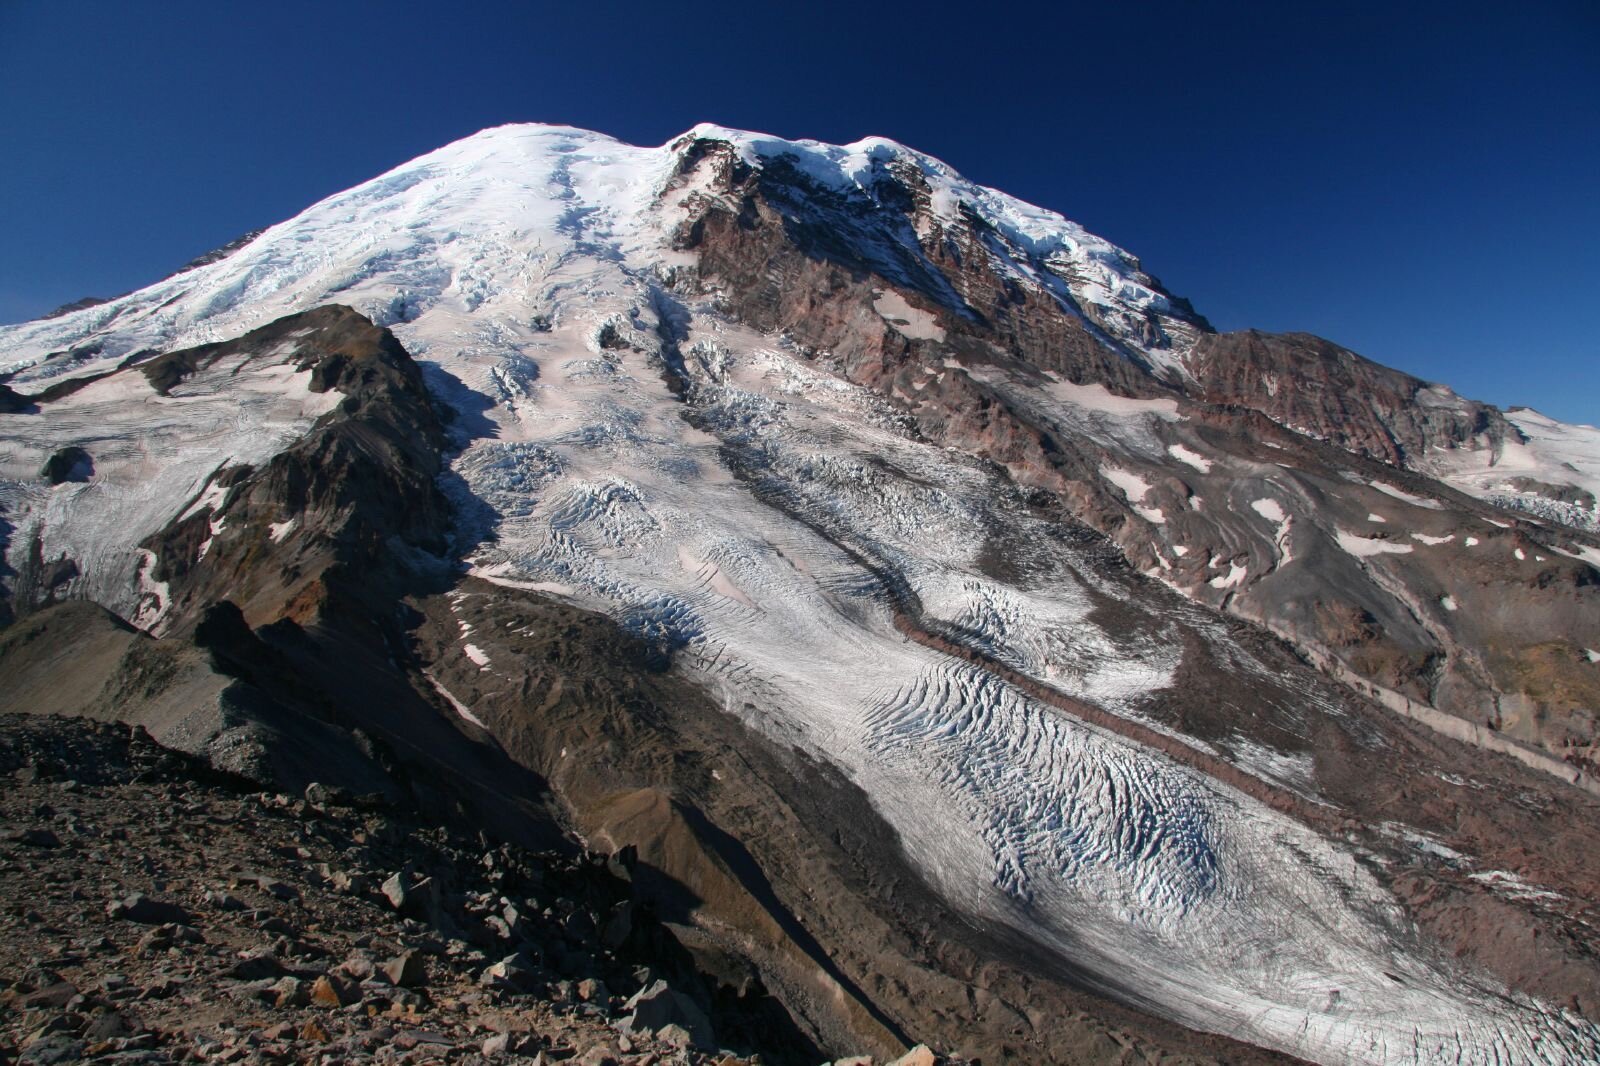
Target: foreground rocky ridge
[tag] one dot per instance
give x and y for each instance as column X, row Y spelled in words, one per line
column 158, row 911
column 798, row 491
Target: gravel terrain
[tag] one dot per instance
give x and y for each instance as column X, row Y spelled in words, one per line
column 157, row 910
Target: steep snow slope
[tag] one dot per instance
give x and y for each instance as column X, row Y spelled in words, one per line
column 764, row 539
column 481, row 223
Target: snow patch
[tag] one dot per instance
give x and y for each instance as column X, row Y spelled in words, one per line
column 460, row 708
column 1584, row 553
column 1366, row 547
column 154, row 596
column 1235, row 576
column 1273, row 511
column 1100, row 399
column 1424, row 843
column 1269, row 509
column 477, row 655
column 211, row 499
column 1190, row 456
column 1549, row 452
column 910, row 322
column 1135, row 489
column 1401, row 494
column 1509, row 884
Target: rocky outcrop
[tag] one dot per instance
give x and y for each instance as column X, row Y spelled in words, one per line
column 12, row 401
column 792, row 256
column 338, row 501
column 227, row 922
column 83, row 303
column 1330, row 393
column 69, row 464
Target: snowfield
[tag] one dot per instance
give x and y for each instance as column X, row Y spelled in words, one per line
column 154, row 457
column 751, row 529
column 1521, row 474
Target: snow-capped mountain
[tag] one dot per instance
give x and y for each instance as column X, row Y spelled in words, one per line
column 812, row 498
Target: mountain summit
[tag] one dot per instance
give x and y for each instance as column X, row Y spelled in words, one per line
column 972, row 644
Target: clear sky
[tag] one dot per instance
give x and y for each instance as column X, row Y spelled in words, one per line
column 1419, row 182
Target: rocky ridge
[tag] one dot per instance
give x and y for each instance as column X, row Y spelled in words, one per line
column 160, row 911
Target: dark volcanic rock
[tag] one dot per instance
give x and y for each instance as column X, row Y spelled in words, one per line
column 146, row 911
column 83, row 303
column 68, row 464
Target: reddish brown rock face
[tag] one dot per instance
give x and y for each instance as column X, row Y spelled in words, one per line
column 1331, row 393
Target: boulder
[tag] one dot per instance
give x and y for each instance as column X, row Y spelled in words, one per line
column 108, row 1026
column 223, row 901
column 290, row 992
column 513, row 971
column 394, row 890
column 268, row 884
column 417, row 899
column 327, row 992
column 658, row 1006
column 258, row 966
column 52, row 1049
column 146, row 911
column 405, row 970
column 34, row 838
column 600, row 1055
column 320, row 795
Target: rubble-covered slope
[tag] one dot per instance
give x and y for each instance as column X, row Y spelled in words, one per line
column 859, row 454
column 158, row 911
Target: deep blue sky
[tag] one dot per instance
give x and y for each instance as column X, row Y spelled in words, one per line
column 1418, row 182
